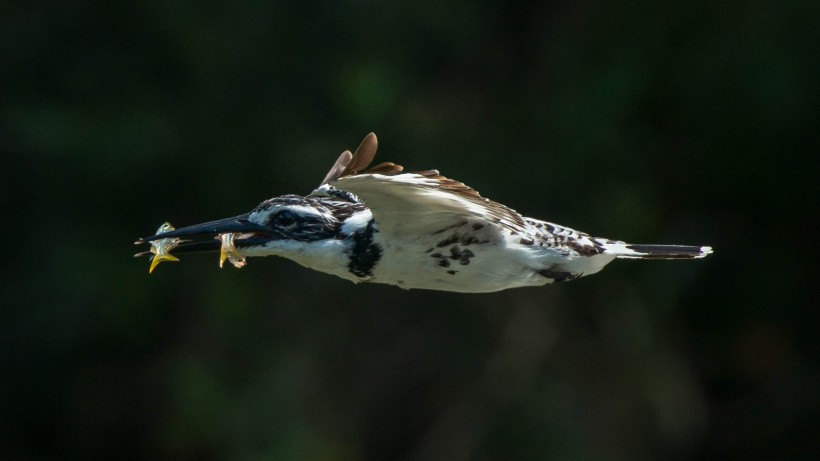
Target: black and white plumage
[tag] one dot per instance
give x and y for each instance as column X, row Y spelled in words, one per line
column 415, row 230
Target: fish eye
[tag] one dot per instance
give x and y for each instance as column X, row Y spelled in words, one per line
column 284, row 218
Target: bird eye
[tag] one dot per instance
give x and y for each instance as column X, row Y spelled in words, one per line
column 284, row 218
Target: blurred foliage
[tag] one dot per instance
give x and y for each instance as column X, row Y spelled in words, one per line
column 673, row 122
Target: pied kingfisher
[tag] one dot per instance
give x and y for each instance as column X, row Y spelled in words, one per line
column 413, row 230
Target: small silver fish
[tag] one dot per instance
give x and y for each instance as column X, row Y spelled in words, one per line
column 162, row 248
column 228, row 251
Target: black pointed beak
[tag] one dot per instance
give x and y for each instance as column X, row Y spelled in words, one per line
column 237, row 225
column 200, row 238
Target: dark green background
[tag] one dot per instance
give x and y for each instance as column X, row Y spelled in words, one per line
column 655, row 122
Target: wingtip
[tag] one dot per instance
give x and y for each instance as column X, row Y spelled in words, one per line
column 369, row 144
column 363, row 155
column 336, row 170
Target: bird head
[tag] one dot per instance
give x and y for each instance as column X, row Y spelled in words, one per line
column 312, row 231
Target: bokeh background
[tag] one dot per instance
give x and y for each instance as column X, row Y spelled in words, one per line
column 656, row 122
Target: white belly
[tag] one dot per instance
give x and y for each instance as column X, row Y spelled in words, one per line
column 475, row 263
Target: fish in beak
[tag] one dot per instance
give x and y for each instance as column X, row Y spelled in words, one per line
column 223, row 235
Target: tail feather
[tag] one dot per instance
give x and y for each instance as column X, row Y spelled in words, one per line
column 641, row 251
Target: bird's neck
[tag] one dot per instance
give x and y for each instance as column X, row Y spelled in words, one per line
column 351, row 253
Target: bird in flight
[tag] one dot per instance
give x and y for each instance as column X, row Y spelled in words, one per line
column 410, row 229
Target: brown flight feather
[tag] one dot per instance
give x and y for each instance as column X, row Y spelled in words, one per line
column 363, row 155
column 338, row 167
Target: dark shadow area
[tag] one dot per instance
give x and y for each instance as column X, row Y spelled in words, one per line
column 671, row 122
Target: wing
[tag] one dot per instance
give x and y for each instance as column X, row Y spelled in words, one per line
column 414, row 202
column 348, row 163
column 424, row 201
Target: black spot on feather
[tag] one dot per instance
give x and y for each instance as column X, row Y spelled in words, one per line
column 585, row 250
column 559, row 276
column 461, row 255
column 448, row 241
column 365, row 253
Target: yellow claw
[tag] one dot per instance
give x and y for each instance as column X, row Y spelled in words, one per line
column 161, row 248
column 160, row 258
column 228, row 251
